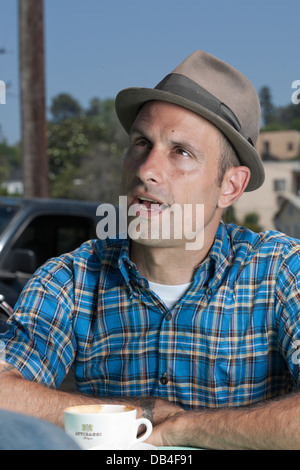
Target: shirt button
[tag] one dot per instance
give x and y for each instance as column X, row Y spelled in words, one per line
column 169, row 317
column 209, row 292
column 164, row 379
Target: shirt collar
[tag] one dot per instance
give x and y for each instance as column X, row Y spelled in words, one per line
column 124, row 262
column 211, row 271
column 221, row 248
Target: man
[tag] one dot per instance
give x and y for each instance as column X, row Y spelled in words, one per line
column 203, row 340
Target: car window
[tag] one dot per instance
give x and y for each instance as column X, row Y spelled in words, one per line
column 49, row 236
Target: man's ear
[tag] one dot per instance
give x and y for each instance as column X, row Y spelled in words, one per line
column 233, row 185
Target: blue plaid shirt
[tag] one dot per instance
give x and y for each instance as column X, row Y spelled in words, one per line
column 231, row 340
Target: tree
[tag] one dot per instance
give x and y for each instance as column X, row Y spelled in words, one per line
column 86, row 150
column 64, row 106
column 268, row 110
column 95, row 107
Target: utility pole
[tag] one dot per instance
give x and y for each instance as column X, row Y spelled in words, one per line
column 33, row 107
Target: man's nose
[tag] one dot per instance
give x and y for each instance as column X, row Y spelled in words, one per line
column 153, row 168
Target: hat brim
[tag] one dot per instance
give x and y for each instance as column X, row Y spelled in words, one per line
column 130, row 100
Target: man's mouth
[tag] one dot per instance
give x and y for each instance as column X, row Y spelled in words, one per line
column 149, row 204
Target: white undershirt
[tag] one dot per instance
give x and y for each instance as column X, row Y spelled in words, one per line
column 169, row 294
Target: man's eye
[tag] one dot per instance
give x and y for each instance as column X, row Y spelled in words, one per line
column 182, row 152
column 141, row 143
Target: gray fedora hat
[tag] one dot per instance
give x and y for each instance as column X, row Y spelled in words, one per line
column 216, row 91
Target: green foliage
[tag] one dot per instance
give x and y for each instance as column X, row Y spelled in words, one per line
column 67, row 143
column 274, row 126
column 84, row 148
column 251, row 221
column 268, row 110
column 295, row 123
column 10, row 159
column 278, row 118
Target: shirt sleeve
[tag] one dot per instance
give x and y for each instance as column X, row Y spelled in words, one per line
column 40, row 341
column 288, row 313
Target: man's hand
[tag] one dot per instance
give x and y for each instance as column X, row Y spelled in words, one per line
column 169, row 432
column 165, row 417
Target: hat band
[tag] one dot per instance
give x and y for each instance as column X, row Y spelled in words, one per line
column 186, row 88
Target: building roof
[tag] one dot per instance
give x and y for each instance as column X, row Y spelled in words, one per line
column 288, row 199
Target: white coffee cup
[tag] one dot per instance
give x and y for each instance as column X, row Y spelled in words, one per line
column 105, row 426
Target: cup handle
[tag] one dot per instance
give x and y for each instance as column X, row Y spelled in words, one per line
column 148, row 431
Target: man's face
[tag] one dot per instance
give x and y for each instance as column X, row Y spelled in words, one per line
column 172, row 161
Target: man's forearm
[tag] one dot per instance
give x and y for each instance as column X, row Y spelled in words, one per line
column 272, row 424
column 34, row 399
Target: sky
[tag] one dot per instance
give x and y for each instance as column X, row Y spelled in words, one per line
column 95, row 48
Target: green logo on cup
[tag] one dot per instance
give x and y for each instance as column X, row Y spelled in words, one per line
column 87, row 427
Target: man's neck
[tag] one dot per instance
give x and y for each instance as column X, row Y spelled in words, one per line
column 171, row 266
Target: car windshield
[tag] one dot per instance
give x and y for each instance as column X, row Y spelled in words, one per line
column 6, row 214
